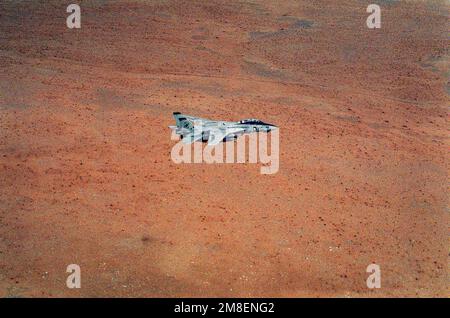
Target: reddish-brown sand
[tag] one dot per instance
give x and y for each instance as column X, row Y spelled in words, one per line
column 86, row 175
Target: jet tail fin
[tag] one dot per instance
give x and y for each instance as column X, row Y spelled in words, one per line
column 177, row 116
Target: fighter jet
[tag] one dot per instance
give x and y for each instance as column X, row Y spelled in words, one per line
column 192, row 129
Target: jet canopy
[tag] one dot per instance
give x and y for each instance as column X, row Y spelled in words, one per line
column 251, row 121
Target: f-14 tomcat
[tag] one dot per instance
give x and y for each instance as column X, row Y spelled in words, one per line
column 192, row 129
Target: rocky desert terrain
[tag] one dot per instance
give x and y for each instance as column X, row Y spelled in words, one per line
column 86, row 175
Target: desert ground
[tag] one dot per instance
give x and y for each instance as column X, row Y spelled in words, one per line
column 86, row 175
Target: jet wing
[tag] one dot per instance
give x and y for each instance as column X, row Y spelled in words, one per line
column 190, row 138
column 217, row 135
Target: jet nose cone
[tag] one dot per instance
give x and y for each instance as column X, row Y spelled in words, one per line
column 268, row 127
